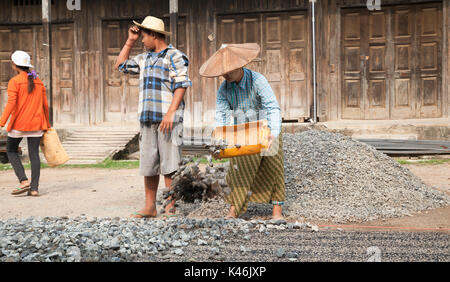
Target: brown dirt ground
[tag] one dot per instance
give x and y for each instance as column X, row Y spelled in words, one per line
column 117, row 193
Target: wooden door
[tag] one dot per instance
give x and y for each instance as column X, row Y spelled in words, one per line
column 283, row 59
column 376, row 100
column 6, row 72
column 391, row 63
column 429, row 72
column 298, row 99
column 121, row 91
column 353, row 58
column 65, row 102
column 29, row 39
column 403, row 87
column 364, row 71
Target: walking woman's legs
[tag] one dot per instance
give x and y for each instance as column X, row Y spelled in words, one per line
column 12, row 149
column 33, row 151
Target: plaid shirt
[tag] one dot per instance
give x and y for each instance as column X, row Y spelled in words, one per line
column 254, row 96
column 159, row 75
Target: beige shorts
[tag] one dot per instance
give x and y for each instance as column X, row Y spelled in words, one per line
column 159, row 153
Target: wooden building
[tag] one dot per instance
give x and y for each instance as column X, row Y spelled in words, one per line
column 371, row 64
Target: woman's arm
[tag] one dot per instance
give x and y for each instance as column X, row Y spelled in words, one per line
column 11, row 104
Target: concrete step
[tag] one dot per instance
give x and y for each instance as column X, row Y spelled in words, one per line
column 87, row 135
column 75, row 155
column 118, row 136
column 122, row 135
column 88, row 143
column 92, row 145
column 107, row 132
column 78, row 138
column 91, row 150
column 95, row 144
column 105, row 153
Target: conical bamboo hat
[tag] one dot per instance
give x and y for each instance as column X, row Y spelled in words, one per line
column 228, row 58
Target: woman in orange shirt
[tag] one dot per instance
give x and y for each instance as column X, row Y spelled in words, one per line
column 27, row 105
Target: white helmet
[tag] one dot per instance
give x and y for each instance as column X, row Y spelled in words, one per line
column 22, row 59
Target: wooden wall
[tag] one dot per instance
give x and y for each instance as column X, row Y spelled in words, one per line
column 331, row 58
column 446, row 62
column 200, row 20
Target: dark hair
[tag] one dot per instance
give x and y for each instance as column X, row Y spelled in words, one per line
column 154, row 33
column 30, row 78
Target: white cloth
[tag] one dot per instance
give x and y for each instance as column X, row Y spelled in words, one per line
column 21, row 134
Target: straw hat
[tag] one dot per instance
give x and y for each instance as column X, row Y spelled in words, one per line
column 21, row 59
column 154, row 24
column 228, row 58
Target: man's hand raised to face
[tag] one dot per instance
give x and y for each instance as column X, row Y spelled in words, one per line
column 133, row 33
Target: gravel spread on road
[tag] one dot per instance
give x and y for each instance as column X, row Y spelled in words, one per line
column 84, row 239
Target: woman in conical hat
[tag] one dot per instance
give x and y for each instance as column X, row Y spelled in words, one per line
column 256, row 178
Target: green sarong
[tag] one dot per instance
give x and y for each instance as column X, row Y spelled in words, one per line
column 257, row 178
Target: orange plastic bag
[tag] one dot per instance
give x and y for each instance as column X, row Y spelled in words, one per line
column 52, row 148
column 243, row 139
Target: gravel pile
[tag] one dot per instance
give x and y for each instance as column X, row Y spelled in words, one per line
column 83, row 239
column 332, row 177
column 213, row 208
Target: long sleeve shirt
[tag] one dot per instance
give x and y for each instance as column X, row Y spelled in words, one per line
column 249, row 100
column 28, row 111
column 160, row 74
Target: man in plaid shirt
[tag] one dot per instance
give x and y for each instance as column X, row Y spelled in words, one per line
column 163, row 77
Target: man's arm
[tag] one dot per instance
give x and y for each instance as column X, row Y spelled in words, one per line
column 167, row 122
column 178, row 73
column 133, row 35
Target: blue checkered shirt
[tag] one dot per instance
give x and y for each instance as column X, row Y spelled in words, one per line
column 253, row 97
column 159, row 75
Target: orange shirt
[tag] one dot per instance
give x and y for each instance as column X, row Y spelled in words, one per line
column 29, row 111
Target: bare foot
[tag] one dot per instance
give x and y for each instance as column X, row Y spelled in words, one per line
column 232, row 213
column 170, row 208
column 144, row 213
column 33, row 193
column 277, row 212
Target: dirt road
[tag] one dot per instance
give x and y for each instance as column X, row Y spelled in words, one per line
column 117, row 193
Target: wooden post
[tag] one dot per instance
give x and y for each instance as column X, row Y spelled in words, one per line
column 47, row 62
column 313, row 24
column 173, row 7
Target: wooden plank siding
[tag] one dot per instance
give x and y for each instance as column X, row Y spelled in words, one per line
column 428, row 80
column 200, row 34
column 445, row 59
